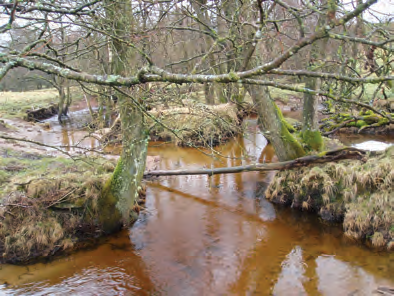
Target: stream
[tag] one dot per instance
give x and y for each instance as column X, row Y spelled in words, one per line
column 215, row 235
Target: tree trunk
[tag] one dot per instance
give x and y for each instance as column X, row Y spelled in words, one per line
column 206, row 46
column 68, row 101
column 120, row 193
column 273, row 124
column 209, row 95
column 311, row 135
column 62, row 98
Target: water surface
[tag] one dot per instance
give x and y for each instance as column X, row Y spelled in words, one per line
column 215, row 235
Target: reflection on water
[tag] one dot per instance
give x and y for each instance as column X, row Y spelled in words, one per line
column 207, row 235
column 72, row 133
column 367, row 142
column 373, row 145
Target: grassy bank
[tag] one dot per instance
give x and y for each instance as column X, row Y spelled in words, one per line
column 48, row 204
column 195, row 125
column 359, row 194
column 15, row 104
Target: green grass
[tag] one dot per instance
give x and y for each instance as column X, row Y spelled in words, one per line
column 15, row 104
column 17, row 167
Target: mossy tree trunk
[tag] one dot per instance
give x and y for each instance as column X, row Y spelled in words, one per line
column 271, row 120
column 121, row 191
column 273, row 125
column 310, row 132
column 311, row 135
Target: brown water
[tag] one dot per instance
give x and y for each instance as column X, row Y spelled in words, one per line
column 212, row 236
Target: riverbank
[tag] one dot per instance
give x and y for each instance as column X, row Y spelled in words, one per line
column 51, row 205
column 356, row 193
column 70, row 202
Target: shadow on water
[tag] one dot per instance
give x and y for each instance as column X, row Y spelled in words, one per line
column 214, row 235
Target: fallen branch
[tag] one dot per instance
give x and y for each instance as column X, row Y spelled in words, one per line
column 334, row 155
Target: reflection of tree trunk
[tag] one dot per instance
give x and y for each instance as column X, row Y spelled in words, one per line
column 258, row 269
column 310, row 285
column 273, row 125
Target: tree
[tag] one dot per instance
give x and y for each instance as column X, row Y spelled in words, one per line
column 260, row 42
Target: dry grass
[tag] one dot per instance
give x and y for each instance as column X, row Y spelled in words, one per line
column 48, row 204
column 197, row 124
column 359, row 194
column 194, row 125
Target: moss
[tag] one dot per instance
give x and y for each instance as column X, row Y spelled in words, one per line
column 370, row 119
column 234, row 77
column 110, row 218
column 287, row 137
column 360, row 123
column 289, row 127
column 383, row 121
column 4, row 176
column 313, row 139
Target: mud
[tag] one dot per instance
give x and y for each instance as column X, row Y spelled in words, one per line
column 41, row 114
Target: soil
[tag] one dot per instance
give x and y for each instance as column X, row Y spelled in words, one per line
column 41, row 114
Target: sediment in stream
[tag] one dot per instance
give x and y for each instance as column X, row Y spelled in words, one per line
column 358, row 194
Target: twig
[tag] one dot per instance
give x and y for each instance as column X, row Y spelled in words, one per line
column 62, row 198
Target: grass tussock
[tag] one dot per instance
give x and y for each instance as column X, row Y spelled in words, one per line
column 48, row 204
column 196, row 124
column 358, row 194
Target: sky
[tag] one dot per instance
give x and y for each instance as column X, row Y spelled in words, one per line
column 383, row 8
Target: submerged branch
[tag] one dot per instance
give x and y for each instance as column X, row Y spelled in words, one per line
column 334, row 155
